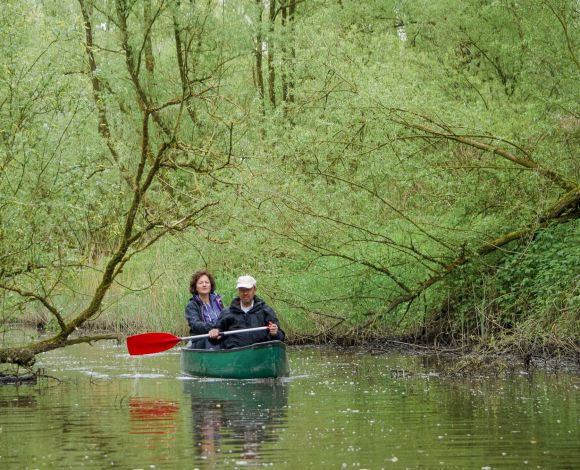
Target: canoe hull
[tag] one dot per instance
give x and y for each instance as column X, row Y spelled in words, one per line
column 257, row 361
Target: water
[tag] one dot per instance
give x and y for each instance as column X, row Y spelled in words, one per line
column 338, row 410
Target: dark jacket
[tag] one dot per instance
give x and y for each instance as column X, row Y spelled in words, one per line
column 234, row 318
column 197, row 325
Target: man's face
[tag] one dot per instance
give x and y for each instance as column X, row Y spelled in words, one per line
column 246, row 295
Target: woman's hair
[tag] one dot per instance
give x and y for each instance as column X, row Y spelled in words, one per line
column 196, row 277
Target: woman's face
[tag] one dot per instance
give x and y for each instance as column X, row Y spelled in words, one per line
column 203, row 285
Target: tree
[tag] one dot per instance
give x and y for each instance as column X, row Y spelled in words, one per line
column 406, row 163
column 121, row 167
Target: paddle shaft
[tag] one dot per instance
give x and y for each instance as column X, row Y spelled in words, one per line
column 149, row 343
column 225, row 333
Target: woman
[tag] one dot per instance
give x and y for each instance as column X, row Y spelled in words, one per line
column 203, row 309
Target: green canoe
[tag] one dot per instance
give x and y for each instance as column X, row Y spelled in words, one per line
column 256, row 361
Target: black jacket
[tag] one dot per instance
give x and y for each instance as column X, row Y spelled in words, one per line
column 234, row 318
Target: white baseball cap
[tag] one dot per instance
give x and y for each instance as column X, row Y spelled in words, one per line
column 246, row 282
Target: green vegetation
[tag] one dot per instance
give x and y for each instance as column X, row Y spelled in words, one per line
column 384, row 168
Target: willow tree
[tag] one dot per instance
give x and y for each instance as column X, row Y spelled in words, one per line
column 428, row 138
column 112, row 138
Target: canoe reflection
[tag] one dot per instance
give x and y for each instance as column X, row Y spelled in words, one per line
column 236, row 417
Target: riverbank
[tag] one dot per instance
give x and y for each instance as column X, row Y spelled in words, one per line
column 472, row 360
column 469, row 359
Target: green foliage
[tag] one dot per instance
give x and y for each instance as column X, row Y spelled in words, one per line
column 541, row 279
column 336, row 196
column 529, row 292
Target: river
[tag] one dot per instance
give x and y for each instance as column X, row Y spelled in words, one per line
column 338, row 410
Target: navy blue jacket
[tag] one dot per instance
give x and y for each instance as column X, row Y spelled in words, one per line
column 197, row 325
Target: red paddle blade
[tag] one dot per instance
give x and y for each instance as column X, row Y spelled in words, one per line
column 149, row 343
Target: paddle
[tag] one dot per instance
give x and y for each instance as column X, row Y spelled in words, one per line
column 149, row 343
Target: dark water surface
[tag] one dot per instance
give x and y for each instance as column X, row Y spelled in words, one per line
column 343, row 410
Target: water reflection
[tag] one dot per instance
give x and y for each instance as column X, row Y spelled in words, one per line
column 18, row 402
column 340, row 409
column 236, row 418
column 152, row 416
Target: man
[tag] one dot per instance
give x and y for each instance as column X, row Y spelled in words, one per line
column 247, row 311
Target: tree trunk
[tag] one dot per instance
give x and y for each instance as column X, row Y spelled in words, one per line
column 284, row 50
column 259, row 55
column 181, row 55
column 291, row 69
column 271, row 69
column 148, row 44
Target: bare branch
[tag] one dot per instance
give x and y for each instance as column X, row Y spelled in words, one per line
column 525, row 161
column 43, row 300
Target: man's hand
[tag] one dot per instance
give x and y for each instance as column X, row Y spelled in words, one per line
column 214, row 333
column 273, row 329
